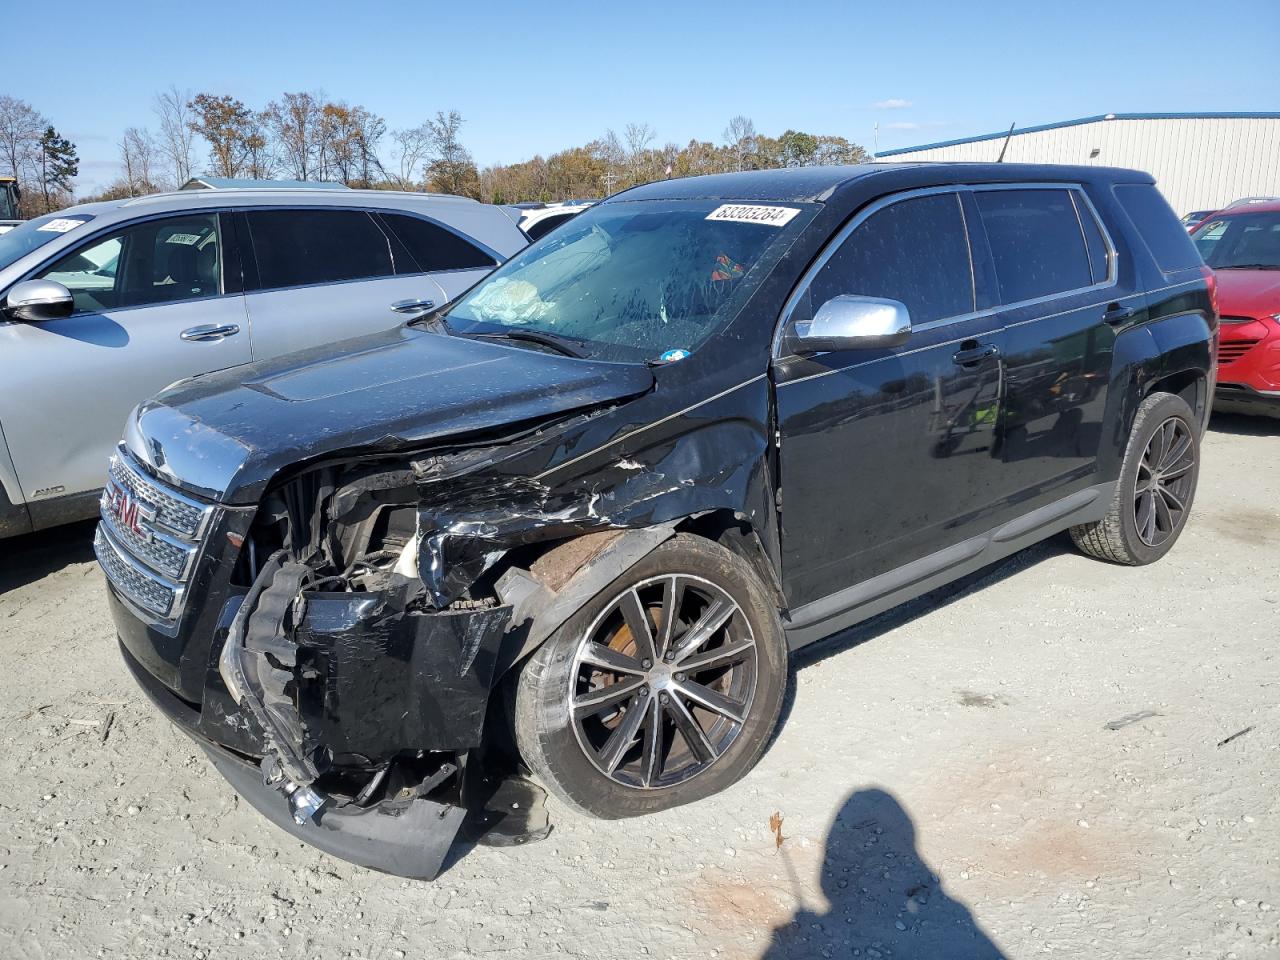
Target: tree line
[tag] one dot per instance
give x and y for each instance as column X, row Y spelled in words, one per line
column 308, row 136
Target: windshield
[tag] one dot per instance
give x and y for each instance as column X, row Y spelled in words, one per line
column 632, row 281
column 1240, row 241
column 24, row 238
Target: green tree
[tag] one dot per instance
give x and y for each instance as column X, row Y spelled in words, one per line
column 59, row 165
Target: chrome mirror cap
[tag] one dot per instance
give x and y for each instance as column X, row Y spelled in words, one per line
column 853, row 323
column 38, row 300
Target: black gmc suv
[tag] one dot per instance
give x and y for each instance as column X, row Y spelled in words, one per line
column 587, row 509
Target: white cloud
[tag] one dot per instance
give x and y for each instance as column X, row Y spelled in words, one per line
column 893, row 103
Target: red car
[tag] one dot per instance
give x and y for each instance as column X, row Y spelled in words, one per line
column 1242, row 245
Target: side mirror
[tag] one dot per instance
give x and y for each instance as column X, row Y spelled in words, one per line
column 852, row 323
column 38, row 300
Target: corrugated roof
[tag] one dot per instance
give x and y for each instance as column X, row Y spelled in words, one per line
column 1001, row 134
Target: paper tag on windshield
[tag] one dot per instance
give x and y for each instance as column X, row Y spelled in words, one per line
column 187, row 238
column 60, row 225
column 753, row 213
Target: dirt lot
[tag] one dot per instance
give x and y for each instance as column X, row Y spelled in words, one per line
column 948, row 777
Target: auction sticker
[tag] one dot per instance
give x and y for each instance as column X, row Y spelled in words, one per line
column 60, row 225
column 753, row 213
column 190, row 239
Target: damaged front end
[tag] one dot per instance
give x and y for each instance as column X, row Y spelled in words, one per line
column 364, row 655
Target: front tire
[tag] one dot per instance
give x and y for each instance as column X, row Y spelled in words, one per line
column 1157, row 484
column 662, row 690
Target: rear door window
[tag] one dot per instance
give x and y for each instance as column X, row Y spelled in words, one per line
column 296, row 248
column 1036, row 242
column 1163, row 232
column 915, row 251
column 435, row 248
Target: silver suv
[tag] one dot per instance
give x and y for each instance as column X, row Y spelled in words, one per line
column 104, row 304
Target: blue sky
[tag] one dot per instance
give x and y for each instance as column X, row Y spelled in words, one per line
column 536, row 77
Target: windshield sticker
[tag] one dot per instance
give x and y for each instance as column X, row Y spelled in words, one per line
column 188, row 239
column 671, row 356
column 726, row 269
column 753, row 213
column 60, row 225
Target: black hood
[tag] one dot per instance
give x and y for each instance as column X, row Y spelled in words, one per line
column 226, row 434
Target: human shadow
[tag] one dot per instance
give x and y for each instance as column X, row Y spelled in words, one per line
column 31, row 556
column 884, row 899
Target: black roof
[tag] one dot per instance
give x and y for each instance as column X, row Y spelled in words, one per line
column 810, row 184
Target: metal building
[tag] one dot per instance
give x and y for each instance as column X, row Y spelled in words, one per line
column 1200, row 160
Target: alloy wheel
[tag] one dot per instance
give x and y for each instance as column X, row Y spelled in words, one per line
column 663, row 681
column 1164, row 483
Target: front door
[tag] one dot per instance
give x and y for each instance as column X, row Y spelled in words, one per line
column 887, row 455
column 150, row 308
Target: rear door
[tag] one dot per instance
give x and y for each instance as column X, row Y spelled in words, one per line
column 155, row 301
column 1055, row 283
column 452, row 260
column 319, row 275
column 887, row 455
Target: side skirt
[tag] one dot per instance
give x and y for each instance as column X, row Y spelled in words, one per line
column 821, row 618
column 69, row 508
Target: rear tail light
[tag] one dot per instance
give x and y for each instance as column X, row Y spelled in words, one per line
column 1211, row 280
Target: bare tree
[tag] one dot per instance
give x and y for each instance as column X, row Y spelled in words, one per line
column 413, row 150
column 740, row 137
column 139, row 160
column 227, row 124
column 452, row 169
column 21, row 127
column 295, row 122
column 177, row 138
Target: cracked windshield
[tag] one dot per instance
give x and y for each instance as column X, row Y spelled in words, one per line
column 648, row 280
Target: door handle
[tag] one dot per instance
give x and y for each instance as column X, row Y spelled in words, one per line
column 975, row 354
column 210, row 331
column 412, row 306
column 1117, row 314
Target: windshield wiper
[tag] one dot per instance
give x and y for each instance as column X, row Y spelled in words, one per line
column 562, row 345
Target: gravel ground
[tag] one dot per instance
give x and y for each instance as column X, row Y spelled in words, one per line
column 948, row 780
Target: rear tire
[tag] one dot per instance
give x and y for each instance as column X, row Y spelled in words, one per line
column 1157, row 484
column 587, row 707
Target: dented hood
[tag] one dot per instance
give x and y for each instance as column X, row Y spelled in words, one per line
column 225, row 434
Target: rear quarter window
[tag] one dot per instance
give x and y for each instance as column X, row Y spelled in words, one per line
column 434, row 248
column 1159, row 226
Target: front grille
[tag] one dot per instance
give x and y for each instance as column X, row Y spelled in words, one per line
column 149, row 539
column 1229, row 351
column 134, row 581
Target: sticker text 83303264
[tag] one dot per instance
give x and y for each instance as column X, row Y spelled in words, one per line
column 753, row 213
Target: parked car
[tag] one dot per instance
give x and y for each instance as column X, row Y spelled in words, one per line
column 592, row 505
column 104, row 304
column 539, row 219
column 1242, row 245
column 1192, row 219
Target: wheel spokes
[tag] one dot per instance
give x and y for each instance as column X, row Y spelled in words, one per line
column 691, row 731
column 713, row 618
column 716, row 702
column 598, row 655
column 1179, row 449
column 623, row 736
column 610, row 695
column 651, row 755
column 672, row 596
column 722, row 656
column 637, row 619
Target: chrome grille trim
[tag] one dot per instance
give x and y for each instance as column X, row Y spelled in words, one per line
column 141, row 586
column 179, row 513
column 149, row 540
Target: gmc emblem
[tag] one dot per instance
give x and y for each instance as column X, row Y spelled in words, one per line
column 129, row 512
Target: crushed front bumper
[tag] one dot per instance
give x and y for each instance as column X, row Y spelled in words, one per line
column 410, row 839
